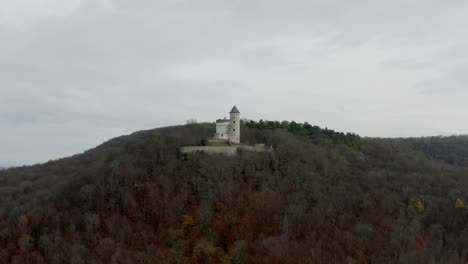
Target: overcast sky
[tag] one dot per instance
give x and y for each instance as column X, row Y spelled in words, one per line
column 75, row 73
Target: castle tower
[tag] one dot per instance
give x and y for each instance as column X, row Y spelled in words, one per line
column 234, row 126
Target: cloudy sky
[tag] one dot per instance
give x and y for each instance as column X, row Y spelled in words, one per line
column 78, row 72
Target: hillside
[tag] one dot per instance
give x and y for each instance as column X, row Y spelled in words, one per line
column 320, row 197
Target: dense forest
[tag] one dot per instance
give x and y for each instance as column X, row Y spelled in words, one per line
column 320, row 197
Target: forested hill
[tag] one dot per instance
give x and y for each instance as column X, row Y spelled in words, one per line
column 320, row 197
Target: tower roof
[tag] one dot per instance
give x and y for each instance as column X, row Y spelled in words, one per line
column 234, row 110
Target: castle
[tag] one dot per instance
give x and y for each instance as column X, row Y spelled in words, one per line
column 226, row 140
column 229, row 129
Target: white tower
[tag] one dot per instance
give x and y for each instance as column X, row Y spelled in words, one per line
column 234, row 126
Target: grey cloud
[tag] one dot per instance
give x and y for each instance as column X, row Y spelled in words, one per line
column 453, row 85
column 74, row 74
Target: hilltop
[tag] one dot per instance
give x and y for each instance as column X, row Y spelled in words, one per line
column 320, row 197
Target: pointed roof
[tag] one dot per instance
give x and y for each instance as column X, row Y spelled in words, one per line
column 234, row 110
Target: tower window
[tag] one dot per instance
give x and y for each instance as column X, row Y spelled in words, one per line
column 234, row 122
column 233, row 129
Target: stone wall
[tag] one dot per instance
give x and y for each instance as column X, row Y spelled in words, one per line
column 225, row 150
column 222, row 130
column 255, row 148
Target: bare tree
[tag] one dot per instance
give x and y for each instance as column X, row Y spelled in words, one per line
column 191, row 121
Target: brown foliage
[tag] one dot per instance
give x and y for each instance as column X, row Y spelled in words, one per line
column 320, row 197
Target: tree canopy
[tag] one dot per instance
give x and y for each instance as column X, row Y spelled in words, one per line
column 320, row 197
